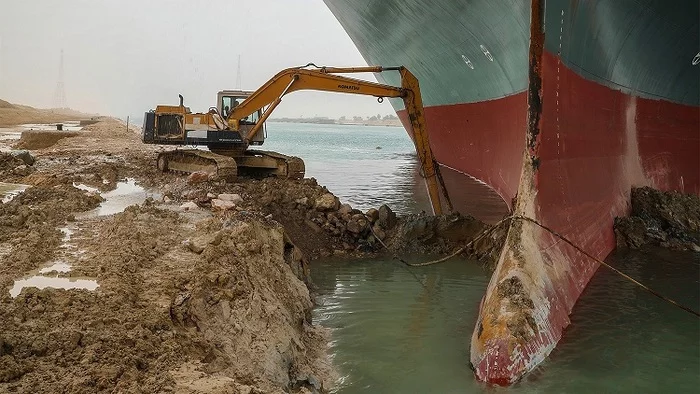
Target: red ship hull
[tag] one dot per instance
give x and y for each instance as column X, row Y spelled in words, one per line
column 550, row 111
column 588, row 163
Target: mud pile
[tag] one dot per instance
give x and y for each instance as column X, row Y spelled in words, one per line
column 321, row 225
column 29, row 225
column 43, row 139
column 667, row 219
column 230, row 316
column 15, row 165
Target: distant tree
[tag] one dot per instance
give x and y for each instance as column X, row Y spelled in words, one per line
column 342, row 118
column 357, row 118
column 373, row 118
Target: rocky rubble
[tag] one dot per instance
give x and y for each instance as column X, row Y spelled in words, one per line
column 16, row 164
column 321, row 225
column 667, row 219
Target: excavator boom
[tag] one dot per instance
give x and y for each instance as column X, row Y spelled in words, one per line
column 327, row 79
column 232, row 136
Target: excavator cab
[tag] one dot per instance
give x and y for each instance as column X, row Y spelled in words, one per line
column 228, row 100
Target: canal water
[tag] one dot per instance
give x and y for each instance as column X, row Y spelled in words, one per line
column 406, row 330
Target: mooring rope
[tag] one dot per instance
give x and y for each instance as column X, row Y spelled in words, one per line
column 551, row 231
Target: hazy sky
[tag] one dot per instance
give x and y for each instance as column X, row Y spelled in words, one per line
column 122, row 57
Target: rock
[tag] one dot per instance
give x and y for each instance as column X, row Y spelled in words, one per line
column 373, row 215
column 243, row 389
column 303, row 201
column 24, row 155
column 211, row 195
column 189, row 206
column 387, row 217
column 167, row 199
column 22, row 170
column 345, row 208
column 222, row 205
column 234, row 198
column 667, row 219
column 378, row 232
column 197, row 177
column 354, row 227
column 327, row 202
column 198, row 244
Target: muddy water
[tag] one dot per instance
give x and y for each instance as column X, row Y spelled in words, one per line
column 8, row 191
column 67, row 126
column 392, row 334
column 42, row 282
column 126, row 193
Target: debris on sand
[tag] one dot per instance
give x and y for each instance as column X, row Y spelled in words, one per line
column 667, row 219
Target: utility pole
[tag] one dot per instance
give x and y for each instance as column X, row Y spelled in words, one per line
column 59, row 98
column 238, row 74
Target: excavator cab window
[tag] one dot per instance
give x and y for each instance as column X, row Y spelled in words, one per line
column 228, row 103
column 252, row 118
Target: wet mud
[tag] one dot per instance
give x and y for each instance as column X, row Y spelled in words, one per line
column 666, row 219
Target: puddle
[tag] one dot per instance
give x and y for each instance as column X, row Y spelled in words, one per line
column 67, row 234
column 7, row 134
column 42, row 282
column 86, row 188
column 58, row 266
column 126, row 194
column 67, row 126
column 8, row 191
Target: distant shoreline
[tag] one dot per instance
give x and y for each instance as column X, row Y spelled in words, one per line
column 382, row 122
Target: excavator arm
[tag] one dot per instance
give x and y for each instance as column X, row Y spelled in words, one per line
column 327, row 79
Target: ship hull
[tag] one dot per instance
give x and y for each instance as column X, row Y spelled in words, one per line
column 605, row 99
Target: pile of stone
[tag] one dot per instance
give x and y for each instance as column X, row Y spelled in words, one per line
column 666, row 219
column 17, row 162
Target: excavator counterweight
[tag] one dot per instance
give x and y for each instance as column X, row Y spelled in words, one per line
column 238, row 121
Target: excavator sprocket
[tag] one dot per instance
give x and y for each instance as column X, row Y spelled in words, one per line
column 188, row 161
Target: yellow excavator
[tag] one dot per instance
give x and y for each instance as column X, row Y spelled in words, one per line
column 238, row 121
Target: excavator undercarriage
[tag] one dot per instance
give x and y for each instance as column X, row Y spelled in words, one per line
column 251, row 163
column 227, row 156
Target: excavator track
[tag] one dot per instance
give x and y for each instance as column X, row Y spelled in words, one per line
column 290, row 167
column 188, row 161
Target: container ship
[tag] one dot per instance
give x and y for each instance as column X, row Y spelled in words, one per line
column 550, row 110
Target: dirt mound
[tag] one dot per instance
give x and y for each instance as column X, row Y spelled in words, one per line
column 15, row 114
column 9, row 162
column 231, row 315
column 40, row 139
column 433, row 234
column 668, row 219
column 28, row 224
